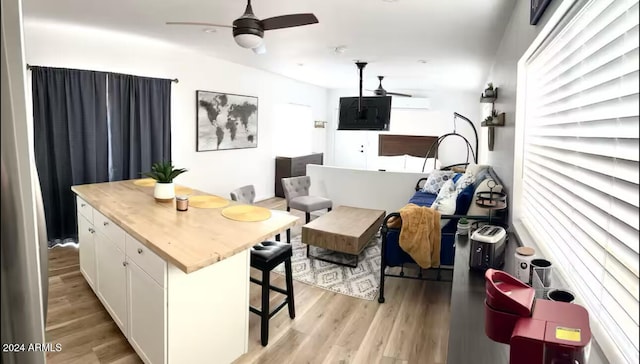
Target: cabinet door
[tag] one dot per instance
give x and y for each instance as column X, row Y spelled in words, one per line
column 87, row 250
column 112, row 287
column 147, row 315
column 350, row 149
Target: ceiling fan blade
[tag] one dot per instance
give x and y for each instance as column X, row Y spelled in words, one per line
column 288, row 21
column 261, row 49
column 398, row 94
column 197, row 23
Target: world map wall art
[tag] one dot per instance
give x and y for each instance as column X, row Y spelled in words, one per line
column 226, row 121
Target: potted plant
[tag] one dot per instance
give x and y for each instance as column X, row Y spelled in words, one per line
column 164, row 173
column 463, row 226
column 489, row 91
column 491, row 119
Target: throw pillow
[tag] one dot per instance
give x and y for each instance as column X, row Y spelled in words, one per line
column 436, row 180
column 476, row 168
column 464, row 199
column 464, row 181
column 446, row 200
column 475, row 210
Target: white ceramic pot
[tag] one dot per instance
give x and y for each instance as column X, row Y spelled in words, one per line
column 463, row 229
column 164, row 192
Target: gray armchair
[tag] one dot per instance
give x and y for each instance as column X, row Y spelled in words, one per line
column 246, row 194
column 296, row 192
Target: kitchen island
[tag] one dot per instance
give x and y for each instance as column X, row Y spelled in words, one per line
column 176, row 283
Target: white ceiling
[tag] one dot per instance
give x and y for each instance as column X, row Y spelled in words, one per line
column 457, row 38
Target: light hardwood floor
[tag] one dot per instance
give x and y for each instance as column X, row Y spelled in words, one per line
column 411, row 327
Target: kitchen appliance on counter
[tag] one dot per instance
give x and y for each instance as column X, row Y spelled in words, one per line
column 538, row 331
column 487, row 247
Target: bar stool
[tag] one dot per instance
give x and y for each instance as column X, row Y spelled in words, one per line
column 264, row 257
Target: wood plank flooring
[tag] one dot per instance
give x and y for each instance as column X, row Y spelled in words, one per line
column 411, row 327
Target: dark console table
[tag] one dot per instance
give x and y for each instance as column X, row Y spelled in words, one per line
column 467, row 340
column 293, row 167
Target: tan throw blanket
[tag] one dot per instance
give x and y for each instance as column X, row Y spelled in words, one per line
column 420, row 234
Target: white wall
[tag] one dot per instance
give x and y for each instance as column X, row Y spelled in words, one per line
column 218, row 172
column 517, row 38
column 435, row 121
column 380, row 190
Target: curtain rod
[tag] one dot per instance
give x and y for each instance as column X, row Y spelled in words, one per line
column 30, row 66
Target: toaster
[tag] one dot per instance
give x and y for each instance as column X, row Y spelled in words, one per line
column 487, row 247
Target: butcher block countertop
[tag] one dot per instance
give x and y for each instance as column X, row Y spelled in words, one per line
column 191, row 239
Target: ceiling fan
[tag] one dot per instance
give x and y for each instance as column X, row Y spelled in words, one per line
column 380, row 91
column 248, row 30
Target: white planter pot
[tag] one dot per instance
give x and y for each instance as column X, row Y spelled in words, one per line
column 463, row 229
column 164, row 192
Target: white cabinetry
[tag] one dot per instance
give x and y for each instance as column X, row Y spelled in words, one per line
column 202, row 318
column 129, row 280
column 87, row 248
column 351, row 149
column 147, row 303
column 356, row 149
column 112, row 286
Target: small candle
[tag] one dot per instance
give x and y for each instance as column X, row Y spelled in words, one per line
column 182, row 203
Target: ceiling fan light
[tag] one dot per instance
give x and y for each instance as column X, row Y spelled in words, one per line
column 261, row 49
column 248, row 40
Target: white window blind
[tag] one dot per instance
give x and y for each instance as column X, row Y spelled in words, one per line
column 580, row 162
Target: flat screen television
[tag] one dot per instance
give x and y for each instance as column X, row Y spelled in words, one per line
column 374, row 115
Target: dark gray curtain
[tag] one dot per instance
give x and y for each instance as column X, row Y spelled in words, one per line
column 70, row 140
column 140, row 119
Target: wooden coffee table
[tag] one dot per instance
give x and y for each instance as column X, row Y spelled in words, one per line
column 345, row 229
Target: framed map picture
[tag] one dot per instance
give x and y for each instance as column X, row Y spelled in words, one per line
column 226, row 121
column 537, row 9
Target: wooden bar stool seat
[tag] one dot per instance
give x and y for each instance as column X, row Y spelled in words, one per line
column 265, row 257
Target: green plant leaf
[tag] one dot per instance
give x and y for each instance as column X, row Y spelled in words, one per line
column 176, row 172
column 164, row 172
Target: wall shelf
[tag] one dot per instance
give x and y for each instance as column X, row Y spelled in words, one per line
column 489, row 100
column 497, row 121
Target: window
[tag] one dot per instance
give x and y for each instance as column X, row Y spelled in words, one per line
column 293, row 130
column 578, row 195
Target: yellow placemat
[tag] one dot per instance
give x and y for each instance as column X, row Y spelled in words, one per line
column 145, row 182
column 181, row 190
column 246, row 213
column 207, row 202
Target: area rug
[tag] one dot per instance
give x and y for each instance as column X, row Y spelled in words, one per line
column 361, row 281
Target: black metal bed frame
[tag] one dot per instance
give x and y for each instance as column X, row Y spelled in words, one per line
column 385, row 229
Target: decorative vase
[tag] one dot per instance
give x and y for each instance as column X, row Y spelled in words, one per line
column 164, row 192
column 489, row 93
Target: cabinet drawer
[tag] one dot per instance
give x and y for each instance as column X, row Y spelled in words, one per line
column 149, row 261
column 298, row 167
column 109, row 229
column 84, row 209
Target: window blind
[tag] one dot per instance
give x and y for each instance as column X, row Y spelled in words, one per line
column 580, row 178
